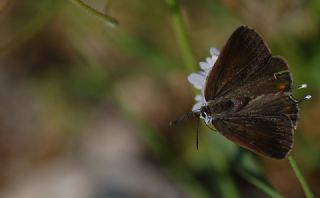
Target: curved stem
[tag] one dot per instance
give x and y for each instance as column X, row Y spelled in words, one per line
column 259, row 184
column 182, row 36
column 300, row 177
column 109, row 19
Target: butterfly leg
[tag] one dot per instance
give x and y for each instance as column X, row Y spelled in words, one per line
column 211, row 128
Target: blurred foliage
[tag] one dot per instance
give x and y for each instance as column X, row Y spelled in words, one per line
column 64, row 72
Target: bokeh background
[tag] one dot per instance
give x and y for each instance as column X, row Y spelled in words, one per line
column 85, row 108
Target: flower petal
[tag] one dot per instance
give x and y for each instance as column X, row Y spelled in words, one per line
column 198, row 98
column 209, row 61
column 214, row 59
column 214, row 52
column 196, row 107
column 205, row 66
column 197, row 80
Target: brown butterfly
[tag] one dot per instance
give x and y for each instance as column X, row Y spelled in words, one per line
column 248, row 96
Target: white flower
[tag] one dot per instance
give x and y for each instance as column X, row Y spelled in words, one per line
column 198, row 80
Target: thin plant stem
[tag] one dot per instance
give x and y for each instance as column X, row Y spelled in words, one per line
column 30, row 28
column 300, row 177
column 182, row 36
column 247, row 167
column 260, row 184
column 107, row 18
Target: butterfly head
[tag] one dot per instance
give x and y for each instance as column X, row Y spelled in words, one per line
column 204, row 114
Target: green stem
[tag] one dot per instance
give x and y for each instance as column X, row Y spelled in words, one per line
column 260, row 184
column 31, row 26
column 181, row 35
column 300, row 177
column 109, row 19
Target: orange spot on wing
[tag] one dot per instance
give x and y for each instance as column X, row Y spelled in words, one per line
column 281, row 86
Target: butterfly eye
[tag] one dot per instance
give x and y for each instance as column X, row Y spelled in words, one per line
column 203, row 114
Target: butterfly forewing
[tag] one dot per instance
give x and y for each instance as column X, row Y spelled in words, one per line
column 244, row 49
column 269, row 77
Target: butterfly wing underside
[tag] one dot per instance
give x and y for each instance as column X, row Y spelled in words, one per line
column 246, row 69
column 265, row 125
column 244, row 50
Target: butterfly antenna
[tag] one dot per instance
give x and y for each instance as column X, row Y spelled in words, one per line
column 307, row 97
column 197, row 138
column 184, row 117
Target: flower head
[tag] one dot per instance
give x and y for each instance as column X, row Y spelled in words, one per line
column 198, row 80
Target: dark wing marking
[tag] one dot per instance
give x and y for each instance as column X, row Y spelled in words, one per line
column 244, row 52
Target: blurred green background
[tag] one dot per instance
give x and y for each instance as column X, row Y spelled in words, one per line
column 85, row 108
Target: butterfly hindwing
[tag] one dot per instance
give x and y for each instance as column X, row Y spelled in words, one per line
column 264, row 125
column 274, row 104
column 267, row 135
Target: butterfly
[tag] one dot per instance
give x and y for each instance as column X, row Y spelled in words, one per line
column 248, row 96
